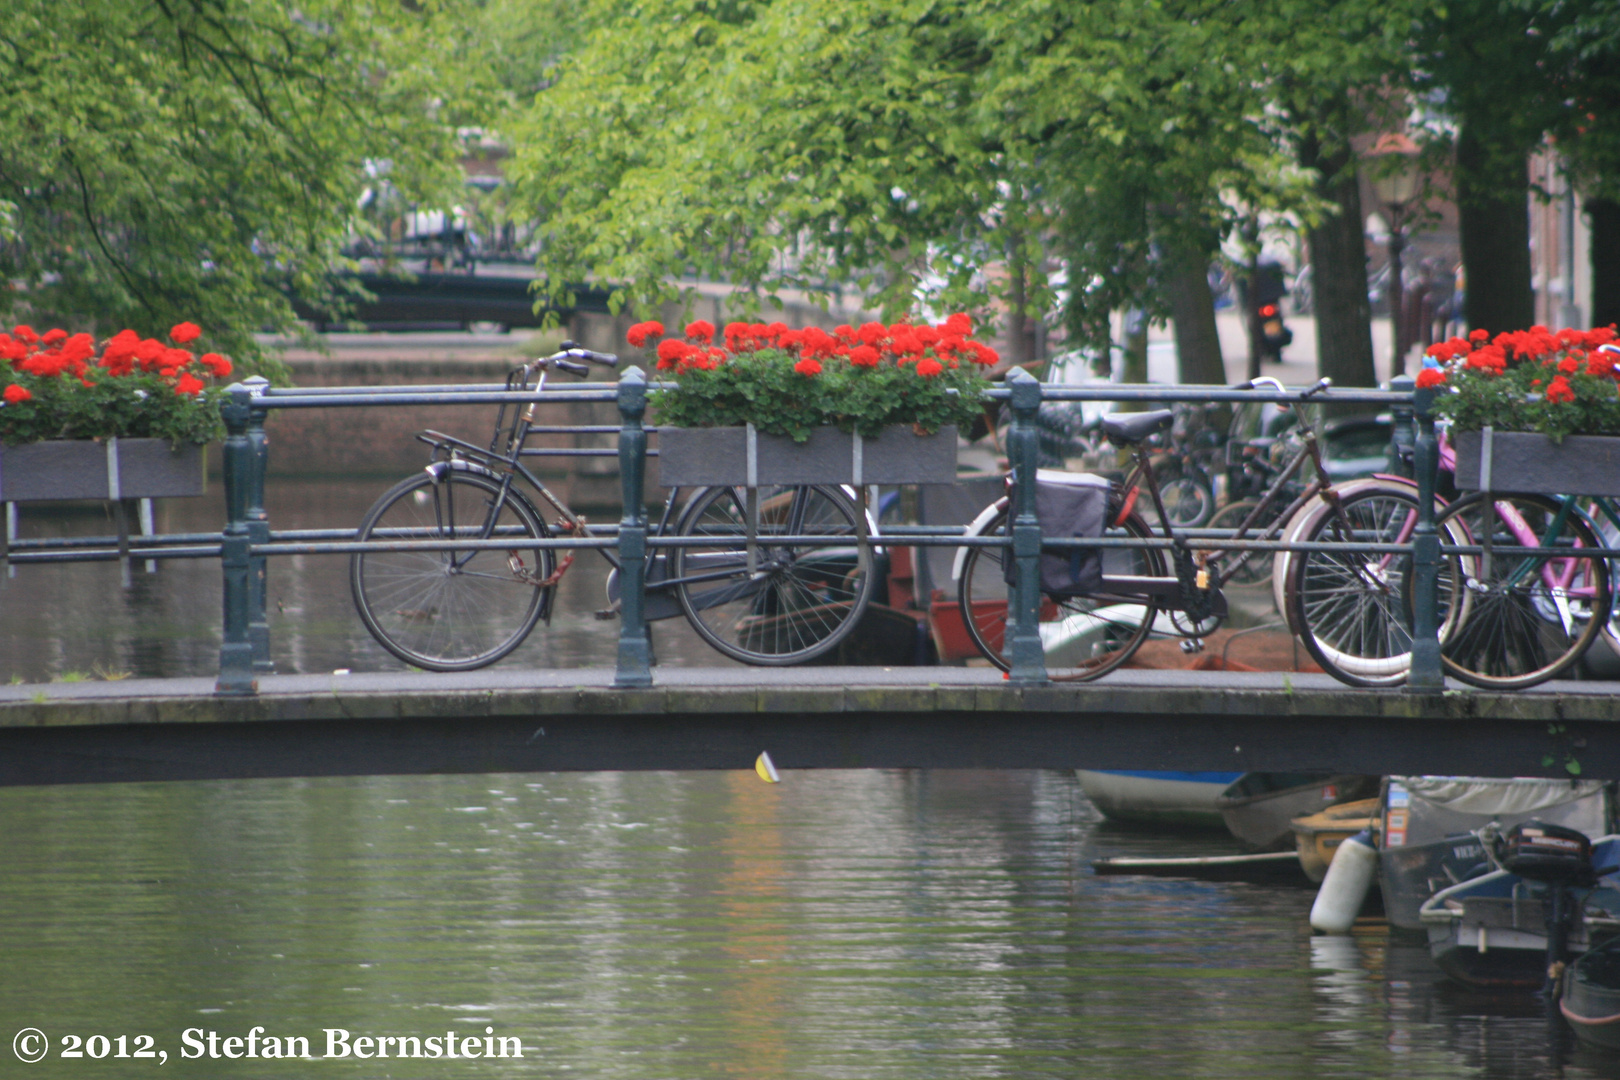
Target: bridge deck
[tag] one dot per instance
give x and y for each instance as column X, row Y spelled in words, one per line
column 508, row 719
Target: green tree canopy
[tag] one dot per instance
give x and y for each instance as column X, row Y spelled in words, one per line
column 955, row 145
column 163, row 160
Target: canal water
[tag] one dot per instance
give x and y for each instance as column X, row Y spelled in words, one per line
column 76, row 620
column 859, row 924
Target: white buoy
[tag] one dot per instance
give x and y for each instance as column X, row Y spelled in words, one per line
column 1349, row 876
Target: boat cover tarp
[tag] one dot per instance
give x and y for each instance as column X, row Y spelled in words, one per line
column 1440, row 806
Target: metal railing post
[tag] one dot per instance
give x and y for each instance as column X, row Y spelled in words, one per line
column 1024, row 650
column 1402, row 439
column 258, row 521
column 236, row 652
column 1426, row 676
column 635, row 651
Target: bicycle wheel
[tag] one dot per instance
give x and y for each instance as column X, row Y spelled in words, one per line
column 1257, row 568
column 1188, row 499
column 451, row 610
column 1523, row 619
column 1083, row 637
column 1597, row 512
column 1352, row 610
column 800, row 602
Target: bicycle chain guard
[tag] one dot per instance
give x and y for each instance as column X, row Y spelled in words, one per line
column 1201, row 613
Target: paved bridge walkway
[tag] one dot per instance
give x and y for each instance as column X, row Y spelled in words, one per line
column 508, row 719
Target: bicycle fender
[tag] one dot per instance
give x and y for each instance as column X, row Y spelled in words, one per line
column 438, row 469
column 973, row 529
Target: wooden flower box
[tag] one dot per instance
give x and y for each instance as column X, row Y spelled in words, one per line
column 114, row 469
column 1523, row 461
column 690, row 457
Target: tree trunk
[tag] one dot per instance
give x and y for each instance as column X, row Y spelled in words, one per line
column 1192, row 309
column 1605, row 217
column 1344, row 348
column 1020, row 327
column 1493, row 210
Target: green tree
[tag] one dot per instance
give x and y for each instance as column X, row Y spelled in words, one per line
column 164, row 160
column 898, row 144
column 1341, row 76
column 1585, row 51
column 797, row 144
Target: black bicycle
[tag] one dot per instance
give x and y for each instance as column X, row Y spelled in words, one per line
column 782, row 602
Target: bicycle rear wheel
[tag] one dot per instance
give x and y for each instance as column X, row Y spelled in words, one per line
column 451, row 610
column 1188, row 499
column 1522, row 619
column 1083, row 637
column 800, row 602
column 1352, row 610
column 1597, row 512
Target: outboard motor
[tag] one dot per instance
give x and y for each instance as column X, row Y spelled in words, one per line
column 1560, row 858
column 1552, row 854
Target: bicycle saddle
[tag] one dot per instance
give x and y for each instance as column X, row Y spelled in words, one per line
column 1131, row 428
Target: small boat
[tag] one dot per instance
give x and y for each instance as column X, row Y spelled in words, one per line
column 1428, row 844
column 1317, row 836
column 1491, row 930
column 1591, row 1001
column 1259, row 807
column 1181, row 799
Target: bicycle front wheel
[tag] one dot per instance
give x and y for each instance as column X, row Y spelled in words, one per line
column 1352, row 609
column 1524, row 618
column 798, row 601
column 451, row 610
column 1083, row 637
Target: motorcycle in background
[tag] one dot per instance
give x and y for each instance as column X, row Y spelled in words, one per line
column 1268, row 334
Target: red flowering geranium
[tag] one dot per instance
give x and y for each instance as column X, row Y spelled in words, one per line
column 59, row 385
column 789, row 381
column 1557, row 384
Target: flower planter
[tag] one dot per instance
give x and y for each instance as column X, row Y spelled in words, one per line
column 1523, row 461
column 85, row 469
column 729, row 455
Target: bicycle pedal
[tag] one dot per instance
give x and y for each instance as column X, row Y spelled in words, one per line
column 1192, row 645
column 607, row 614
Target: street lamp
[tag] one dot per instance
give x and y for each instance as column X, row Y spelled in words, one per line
column 1395, row 182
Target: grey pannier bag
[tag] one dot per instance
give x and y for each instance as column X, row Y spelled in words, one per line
column 1069, row 504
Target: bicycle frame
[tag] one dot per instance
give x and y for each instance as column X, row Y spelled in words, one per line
column 505, row 463
column 1319, row 485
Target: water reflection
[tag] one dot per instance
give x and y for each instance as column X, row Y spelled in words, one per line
column 841, row 924
column 76, row 619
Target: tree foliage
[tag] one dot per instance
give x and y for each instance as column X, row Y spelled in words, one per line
column 168, row 160
column 958, row 147
column 784, row 144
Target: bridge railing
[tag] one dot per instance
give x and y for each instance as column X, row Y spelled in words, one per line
column 247, row 542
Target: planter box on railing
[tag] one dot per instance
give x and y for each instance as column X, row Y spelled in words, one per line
column 735, row 455
column 1523, row 461
column 87, row 469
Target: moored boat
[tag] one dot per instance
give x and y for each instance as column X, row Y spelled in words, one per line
column 1148, row 797
column 1591, row 1001
column 1491, row 930
column 1317, row 836
column 1427, row 842
column 1259, row 807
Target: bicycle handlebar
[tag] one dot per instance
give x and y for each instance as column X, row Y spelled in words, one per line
column 574, row 351
column 569, row 366
column 1268, row 382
